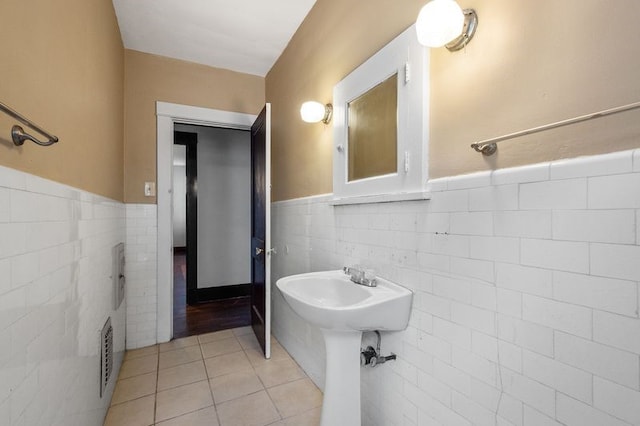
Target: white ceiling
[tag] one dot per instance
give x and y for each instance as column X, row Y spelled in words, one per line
column 241, row 35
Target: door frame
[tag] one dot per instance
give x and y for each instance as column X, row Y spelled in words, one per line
column 167, row 115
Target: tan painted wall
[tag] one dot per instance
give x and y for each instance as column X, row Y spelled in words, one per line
column 336, row 37
column 534, row 63
column 529, row 64
column 65, row 71
column 151, row 78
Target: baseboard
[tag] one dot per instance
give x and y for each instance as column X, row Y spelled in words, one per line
column 217, row 293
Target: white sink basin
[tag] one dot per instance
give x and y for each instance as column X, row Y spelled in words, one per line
column 331, row 301
column 343, row 310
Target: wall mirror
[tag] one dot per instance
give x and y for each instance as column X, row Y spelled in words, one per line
column 381, row 126
column 372, row 131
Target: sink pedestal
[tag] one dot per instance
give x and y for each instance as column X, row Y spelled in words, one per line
column 343, row 310
column 341, row 402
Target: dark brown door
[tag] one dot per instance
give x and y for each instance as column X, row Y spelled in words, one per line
column 190, row 140
column 260, row 229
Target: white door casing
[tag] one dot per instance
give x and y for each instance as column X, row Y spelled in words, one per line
column 168, row 114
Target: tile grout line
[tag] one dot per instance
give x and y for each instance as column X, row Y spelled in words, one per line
column 206, row 372
column 185, row 363
column 266, row 389
column 155, row 396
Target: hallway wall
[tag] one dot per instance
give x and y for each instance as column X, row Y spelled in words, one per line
column 179, row 203
column 526, row 294
column 224, row 205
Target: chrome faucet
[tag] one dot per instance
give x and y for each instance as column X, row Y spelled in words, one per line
column 360, row 276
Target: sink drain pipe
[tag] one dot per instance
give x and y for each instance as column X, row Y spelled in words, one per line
column 371, row 357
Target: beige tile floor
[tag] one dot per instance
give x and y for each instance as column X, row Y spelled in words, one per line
column 215, row 379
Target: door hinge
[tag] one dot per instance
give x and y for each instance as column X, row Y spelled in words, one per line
column 407, row 72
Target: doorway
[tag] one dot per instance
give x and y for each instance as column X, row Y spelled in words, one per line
column 211, row 229
column 167, row 115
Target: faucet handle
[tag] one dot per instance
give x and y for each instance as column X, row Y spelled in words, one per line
column 369, row 274
column 357, row 273
column 353, row 269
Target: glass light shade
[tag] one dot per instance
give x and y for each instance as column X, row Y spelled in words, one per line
column 312, row 112
column 439, row 22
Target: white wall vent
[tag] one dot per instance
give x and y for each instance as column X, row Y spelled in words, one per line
column 106, row 355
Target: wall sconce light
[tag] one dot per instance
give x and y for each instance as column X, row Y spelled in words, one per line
column 444, row 23
column 315, row 112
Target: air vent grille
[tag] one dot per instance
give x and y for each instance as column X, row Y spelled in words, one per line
column 106, row 355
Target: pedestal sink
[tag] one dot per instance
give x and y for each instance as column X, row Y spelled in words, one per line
column 343, row 310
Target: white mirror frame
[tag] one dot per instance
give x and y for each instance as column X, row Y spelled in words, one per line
column 410, row 60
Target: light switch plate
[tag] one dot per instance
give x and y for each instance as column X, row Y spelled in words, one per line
column 149, row 189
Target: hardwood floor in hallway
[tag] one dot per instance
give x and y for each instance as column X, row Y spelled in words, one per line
column 204, row 317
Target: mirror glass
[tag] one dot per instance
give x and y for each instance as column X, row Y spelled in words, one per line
column 373, row 131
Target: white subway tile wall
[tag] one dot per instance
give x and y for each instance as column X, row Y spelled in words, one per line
column 526, row 294
column 141, row 250
column 56, row 293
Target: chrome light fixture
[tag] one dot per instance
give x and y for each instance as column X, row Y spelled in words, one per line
column 444, row 23
column 315, row 112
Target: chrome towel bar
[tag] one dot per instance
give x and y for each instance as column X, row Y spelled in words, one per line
column 18, row 135
column 489, row 147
